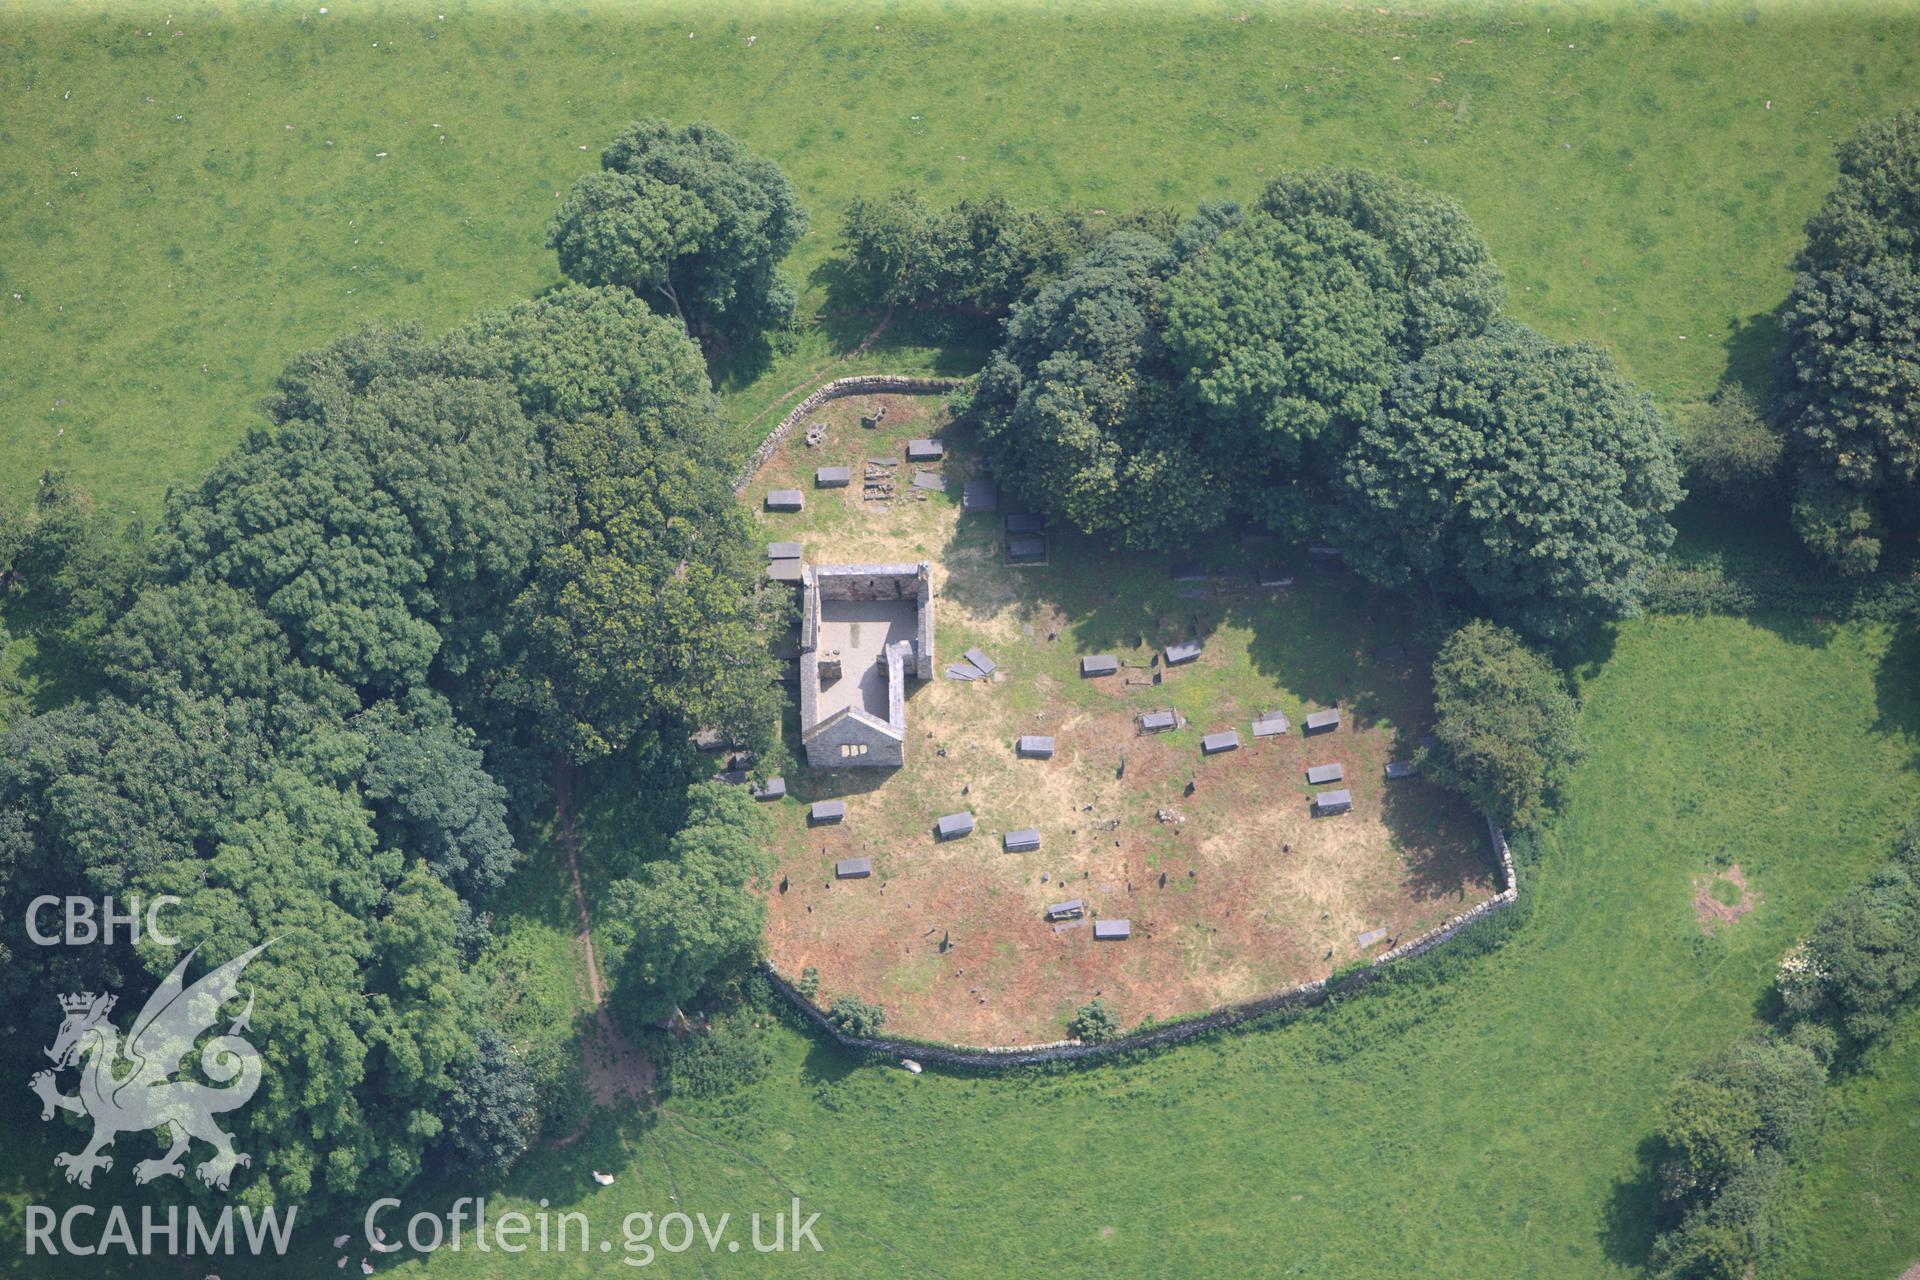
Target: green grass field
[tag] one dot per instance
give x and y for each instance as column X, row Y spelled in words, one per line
column 1856, row 1200
column 1627, row 172
column 1487, row 1124
column 189, row 197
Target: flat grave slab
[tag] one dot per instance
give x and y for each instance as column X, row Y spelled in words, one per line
column 954, row 826
column 980, row 495
column 1322, row 721
column 1183, row 652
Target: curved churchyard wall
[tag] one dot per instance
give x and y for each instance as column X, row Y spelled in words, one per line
column 1305, row 995
column 863, row 384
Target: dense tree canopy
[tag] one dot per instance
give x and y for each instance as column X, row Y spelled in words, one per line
column 1522, row 475
column 694, row 913
column 1218, row 370
column 645, row 611
column 578, row 352
column 1448, row 284
column 691, row 221
column 1288, row 325
column 275, row 743
column 1285, row 330
column 1506, row 729
column 1849, row 367
column 385, row 523
column 75, row 567
column 1081, row 407
column 978, row 255
column 433, row 796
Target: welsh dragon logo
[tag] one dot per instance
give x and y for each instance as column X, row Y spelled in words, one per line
column 137, row 1091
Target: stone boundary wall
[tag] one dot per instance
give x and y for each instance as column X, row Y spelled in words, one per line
column 1305, row 995
column 860, row 384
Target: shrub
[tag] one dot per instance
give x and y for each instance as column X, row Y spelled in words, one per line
column 809, row 984
column 852, row 1016
column 1863, row 958
column 978, row 256
column 1725, row 1136
column 1094, row 1022
column 493, row 1111
column 729, row 1055
column 1732, row 450
column 1507, row 729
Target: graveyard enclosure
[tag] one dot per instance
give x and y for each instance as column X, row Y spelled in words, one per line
column 1230, row 886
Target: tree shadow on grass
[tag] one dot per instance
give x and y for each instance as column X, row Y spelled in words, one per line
column 1444, row 843
column 1750, row 346
column 847, row 315
column 1629, row 1228
column 1897, row 688
column 737, row 362
column 826, row 1062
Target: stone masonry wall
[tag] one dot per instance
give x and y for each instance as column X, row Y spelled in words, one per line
column 865, row 384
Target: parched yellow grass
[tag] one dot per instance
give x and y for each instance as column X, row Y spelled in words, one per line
column 1236, row 892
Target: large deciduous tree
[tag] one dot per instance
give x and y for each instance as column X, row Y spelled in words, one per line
column 646, row 611
column 580, row 352
column 1288, row 324
column 692, row 222
column 1849, row 366
column 1524, row 475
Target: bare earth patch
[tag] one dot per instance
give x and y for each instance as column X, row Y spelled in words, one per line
column 1232, row 888
column 616, row 1071
column 1714, row 914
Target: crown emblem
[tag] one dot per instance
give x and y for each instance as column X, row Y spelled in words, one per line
column 77, row 1003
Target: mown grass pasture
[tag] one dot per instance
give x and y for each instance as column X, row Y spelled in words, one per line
column 193, row 197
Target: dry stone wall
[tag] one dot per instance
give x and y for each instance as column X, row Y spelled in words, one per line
column 865, row 384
